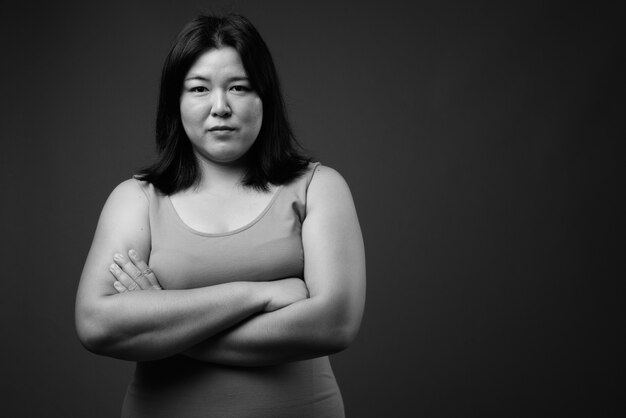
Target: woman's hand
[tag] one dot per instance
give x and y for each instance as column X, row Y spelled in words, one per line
column 284, row 292
column 132, row 273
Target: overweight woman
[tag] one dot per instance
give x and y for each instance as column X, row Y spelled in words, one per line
column 233, row 266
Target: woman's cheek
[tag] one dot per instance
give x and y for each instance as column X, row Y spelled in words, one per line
column 257, row 115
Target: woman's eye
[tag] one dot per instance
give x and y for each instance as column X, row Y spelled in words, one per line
column 198, row 89
column 240, row 88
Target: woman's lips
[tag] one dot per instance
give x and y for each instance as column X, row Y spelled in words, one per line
column 221, row 128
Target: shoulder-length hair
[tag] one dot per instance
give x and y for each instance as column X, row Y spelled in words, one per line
column 275, row 157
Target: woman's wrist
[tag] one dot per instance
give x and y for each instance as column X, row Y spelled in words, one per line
column 277, row 294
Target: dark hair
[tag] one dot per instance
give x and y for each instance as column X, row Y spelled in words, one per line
column 275, row 156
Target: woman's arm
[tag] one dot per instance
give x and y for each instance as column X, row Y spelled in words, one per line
column 148, row 325
column 334, row 273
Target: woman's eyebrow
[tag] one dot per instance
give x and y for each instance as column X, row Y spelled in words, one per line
column 196, row 77
column 238, row 78
column 229, row 79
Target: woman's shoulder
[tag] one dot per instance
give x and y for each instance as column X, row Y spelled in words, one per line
column 318, row 184
column 327, row 187
column 324, row 177
column 318, row 176
column 317, row 172
column 131, row 186
column 131, row 191
column 126, row 206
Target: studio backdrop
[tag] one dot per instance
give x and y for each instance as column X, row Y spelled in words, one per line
column 480, row 142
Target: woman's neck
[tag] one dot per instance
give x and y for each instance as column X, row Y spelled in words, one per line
column 217, row 177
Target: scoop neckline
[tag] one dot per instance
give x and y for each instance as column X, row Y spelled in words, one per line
column 231, row 232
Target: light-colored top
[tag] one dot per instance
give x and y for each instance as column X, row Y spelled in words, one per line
column 267, row 248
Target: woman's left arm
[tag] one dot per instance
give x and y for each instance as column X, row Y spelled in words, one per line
column 334, row 272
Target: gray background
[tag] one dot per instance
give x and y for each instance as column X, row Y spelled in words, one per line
column 480, row 143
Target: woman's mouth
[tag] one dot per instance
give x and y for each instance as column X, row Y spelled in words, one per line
column 221, row 128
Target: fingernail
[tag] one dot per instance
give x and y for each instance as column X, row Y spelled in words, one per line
column 113, row 267
column 132, row 253
column 118, row 257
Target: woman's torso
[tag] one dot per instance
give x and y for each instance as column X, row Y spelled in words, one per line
column 268, row 247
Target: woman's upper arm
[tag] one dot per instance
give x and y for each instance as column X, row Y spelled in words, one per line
column 123, row 224
column 334, row 254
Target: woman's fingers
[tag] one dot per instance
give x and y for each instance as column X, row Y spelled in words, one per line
column 145, row 270
column 133, row 272
column 119, row 287
column 124, row 279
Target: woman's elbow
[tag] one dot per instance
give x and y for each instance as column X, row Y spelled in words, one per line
column 342, row 337
column 94, row 331
column 341, row 332
column 338, row 324
column 91, row 334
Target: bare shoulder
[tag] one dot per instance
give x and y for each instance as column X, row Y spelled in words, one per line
column 130, row 188
column 127, row 195
column 328, row 187
column 125, row 209
column 327, row 175
column 327, row 179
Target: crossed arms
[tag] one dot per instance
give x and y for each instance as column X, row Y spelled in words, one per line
column 237, row 323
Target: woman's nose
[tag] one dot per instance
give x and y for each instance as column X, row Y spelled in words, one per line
column 220, row 105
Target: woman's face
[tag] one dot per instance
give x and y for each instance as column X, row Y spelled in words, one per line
column 221, row 114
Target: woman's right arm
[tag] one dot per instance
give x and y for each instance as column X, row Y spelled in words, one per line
column 147, row 325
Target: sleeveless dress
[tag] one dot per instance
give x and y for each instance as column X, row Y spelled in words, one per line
column 267, row 248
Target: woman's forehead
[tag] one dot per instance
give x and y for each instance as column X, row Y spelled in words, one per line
column 217, row 63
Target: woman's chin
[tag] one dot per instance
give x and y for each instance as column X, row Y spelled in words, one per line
column 223, row 158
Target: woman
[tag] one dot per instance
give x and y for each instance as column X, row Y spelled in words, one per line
column 256, row 263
